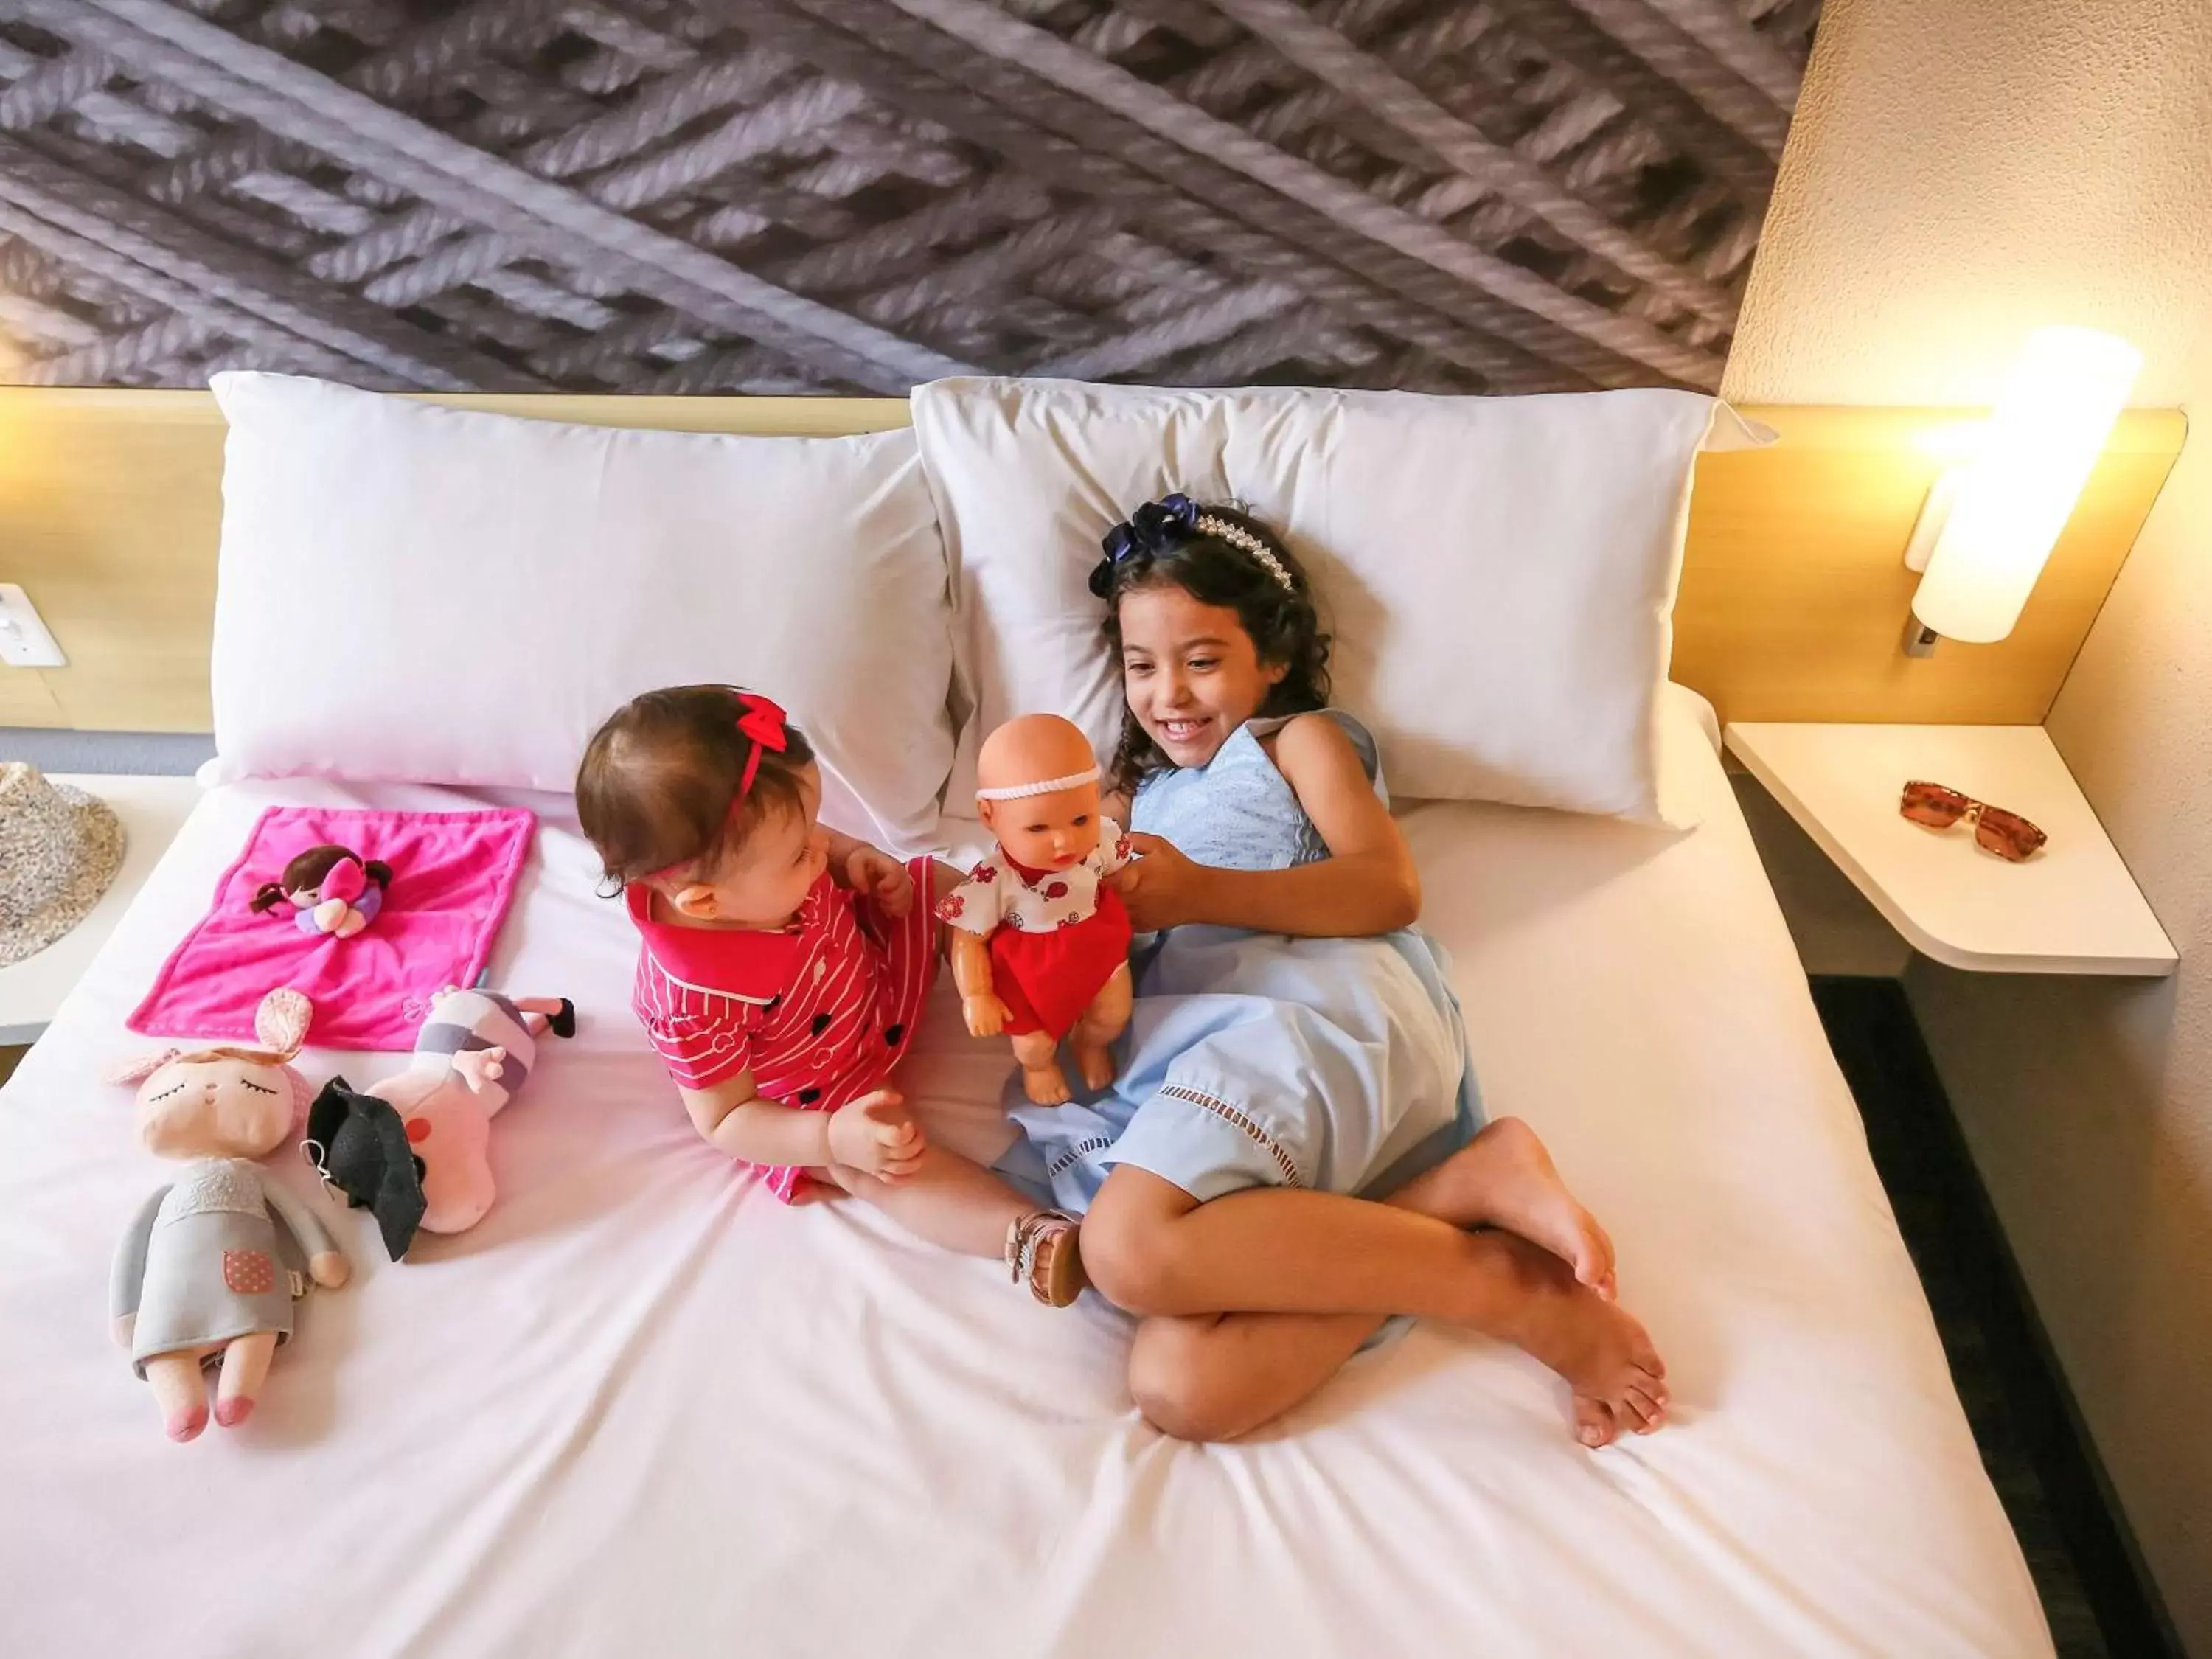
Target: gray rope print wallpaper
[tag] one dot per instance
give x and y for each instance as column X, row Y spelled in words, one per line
column 852, row 196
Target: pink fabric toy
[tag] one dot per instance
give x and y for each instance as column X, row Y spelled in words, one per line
column 452, row 874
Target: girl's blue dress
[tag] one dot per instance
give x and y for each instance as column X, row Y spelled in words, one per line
column 1256, row 1059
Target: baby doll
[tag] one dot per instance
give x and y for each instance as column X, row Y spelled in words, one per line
column 1040, row 944
column 336, row 891
column 204, row 1277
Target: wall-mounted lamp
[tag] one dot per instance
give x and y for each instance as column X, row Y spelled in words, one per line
column 1990, row 522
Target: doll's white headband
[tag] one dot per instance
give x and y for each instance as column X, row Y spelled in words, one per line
column 1049, row 787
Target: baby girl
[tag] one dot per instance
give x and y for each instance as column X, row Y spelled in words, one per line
column 783, row 968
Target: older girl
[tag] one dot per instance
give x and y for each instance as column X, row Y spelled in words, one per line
column 1294, row 1041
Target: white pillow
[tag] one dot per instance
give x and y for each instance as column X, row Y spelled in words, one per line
column 1498, row 572
column 410, row 591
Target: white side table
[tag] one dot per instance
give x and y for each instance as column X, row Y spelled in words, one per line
column 2072, row 908
column 152, row 809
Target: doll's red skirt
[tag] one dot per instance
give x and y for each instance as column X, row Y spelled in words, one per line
column 1048, row 980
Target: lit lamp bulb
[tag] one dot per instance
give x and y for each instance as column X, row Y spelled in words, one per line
column 2009, row 503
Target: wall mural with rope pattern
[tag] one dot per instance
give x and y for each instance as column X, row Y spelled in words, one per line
column 852, row 196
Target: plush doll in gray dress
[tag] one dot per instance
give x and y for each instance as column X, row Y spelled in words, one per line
column 207, row 1275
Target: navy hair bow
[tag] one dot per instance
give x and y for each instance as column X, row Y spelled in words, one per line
column 1152, row 530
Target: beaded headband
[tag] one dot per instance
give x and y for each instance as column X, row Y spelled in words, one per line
column 1157, row 526
column 1245, row 542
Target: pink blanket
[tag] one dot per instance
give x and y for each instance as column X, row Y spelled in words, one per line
column 452, row 877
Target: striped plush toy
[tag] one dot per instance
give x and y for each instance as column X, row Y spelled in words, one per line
column 415, row 1148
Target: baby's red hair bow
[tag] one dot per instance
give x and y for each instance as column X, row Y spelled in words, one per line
column 763, row 722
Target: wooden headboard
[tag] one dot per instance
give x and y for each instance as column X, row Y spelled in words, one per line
column 1793, row 599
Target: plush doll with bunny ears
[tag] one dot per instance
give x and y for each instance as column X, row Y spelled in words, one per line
column 207, row 1275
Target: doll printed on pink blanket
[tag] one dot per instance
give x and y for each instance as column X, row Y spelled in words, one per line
column 333, row 889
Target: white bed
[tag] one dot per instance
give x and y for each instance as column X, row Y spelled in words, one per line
column 643, row 1409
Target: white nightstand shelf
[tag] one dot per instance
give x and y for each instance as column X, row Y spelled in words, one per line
column 152, row 810
column 2072, row 908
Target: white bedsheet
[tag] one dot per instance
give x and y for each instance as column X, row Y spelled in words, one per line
column 643, row 1409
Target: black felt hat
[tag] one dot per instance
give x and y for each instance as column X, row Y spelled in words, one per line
column 358, row 1143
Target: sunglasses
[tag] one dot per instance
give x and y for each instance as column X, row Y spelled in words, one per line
column 2008, row 834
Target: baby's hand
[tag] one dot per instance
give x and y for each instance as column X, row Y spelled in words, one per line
column 882, row 877
column 877, row 1135
column 986, row 1016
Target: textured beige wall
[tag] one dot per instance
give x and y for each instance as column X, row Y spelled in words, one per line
column 1959, row 173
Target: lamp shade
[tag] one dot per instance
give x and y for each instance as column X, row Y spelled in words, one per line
column 2015, row 494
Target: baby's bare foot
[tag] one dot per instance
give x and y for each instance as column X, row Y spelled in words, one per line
column 1607, row 1358
column 1504, row 1178
column 1047, row 1085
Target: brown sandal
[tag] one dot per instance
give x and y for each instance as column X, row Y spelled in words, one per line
column 1044, row 1252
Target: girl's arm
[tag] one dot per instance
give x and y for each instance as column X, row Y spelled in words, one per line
column 875, row 1134
column 1368, row 883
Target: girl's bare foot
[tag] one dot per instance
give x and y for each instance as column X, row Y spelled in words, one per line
column 1594, row 1423
column 1504, row 1178
column 1607, row 1358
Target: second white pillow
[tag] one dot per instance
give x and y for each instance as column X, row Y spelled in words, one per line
column 1498, row 572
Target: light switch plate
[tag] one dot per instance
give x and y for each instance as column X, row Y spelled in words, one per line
column 24, row 640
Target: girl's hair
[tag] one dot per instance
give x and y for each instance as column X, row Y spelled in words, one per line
column 307, row 871
column 658, row 788
column 1219, row 555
